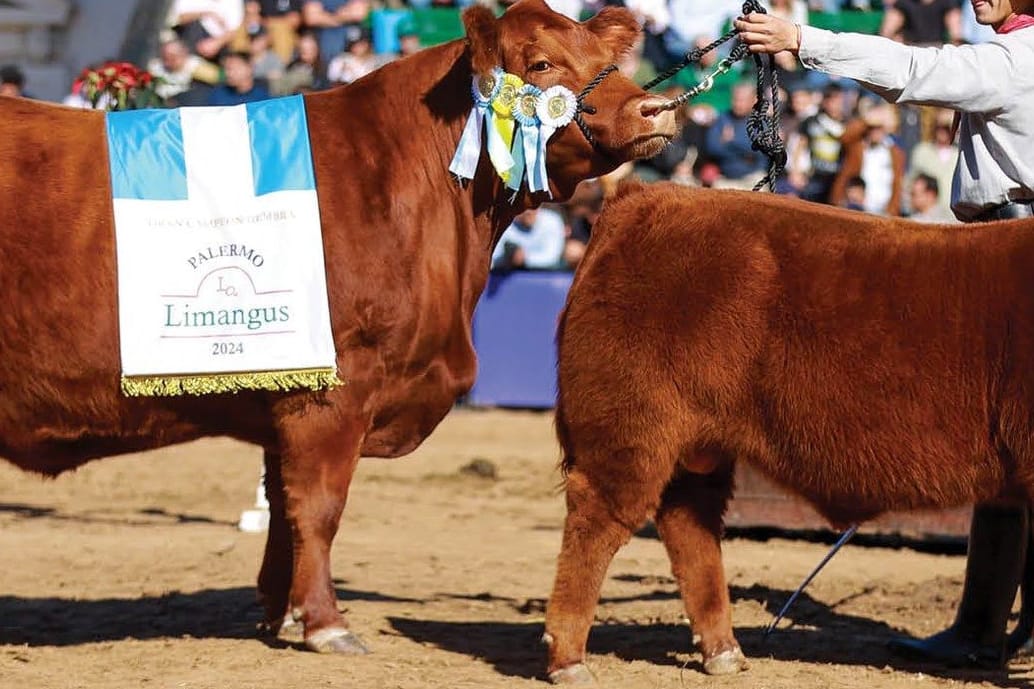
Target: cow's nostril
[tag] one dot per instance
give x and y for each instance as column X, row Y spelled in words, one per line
column 652, row 106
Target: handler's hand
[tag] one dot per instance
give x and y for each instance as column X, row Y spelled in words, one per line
column 764, row 33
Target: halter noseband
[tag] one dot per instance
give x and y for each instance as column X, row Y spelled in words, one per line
column 590, row 109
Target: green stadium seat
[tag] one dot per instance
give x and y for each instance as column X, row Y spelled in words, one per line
column 855, row 22
column 437, row 25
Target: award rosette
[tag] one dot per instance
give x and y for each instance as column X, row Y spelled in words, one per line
column 502, row 106
column 519, row 120
column 555, row 109
column 526, row 140
column 464, row 163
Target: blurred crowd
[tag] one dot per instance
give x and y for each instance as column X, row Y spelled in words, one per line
column 845, row 146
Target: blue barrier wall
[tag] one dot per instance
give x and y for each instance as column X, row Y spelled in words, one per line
column 514, row 336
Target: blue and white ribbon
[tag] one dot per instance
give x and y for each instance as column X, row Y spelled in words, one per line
column 526, row 141
column 484, row 88
column 555, row 109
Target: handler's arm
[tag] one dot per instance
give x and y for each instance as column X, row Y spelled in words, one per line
column 973, row 78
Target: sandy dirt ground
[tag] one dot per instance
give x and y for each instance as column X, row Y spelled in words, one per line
column 131, row 573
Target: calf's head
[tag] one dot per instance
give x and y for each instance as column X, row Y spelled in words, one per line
column 547, row 49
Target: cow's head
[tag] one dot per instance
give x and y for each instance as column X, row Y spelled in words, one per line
column 546, row 49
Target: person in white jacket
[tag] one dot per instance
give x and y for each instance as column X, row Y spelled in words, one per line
column 991, row 87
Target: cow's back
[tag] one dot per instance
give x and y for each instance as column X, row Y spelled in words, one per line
column 867, row 363
column 59, row 350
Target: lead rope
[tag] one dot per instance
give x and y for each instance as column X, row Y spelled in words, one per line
column 763, row 121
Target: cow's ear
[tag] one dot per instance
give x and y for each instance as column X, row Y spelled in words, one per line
column 483, row 38
column 617, row 27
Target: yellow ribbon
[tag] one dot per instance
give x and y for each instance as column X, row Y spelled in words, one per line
column 503, row 105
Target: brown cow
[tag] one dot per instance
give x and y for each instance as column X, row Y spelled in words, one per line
column 407, row 253
column 867, row 364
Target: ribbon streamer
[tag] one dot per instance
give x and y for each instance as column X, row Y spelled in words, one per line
column 465, row 161
column 502, row 108
column 526, row 141
column 555, row 109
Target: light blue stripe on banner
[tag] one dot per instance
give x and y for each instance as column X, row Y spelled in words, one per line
column 145, row 152
column 281, row 158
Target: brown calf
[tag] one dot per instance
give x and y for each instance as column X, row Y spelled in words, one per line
column 867, row 364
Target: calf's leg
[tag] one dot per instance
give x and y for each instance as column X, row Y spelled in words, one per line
column 690, row 523
column 603, row 511
column 319, row 454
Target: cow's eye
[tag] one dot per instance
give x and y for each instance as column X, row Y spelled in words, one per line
column 540, row 66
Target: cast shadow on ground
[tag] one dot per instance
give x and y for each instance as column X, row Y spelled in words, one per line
column 231, row 613
column 148, row 516
column 813, row 632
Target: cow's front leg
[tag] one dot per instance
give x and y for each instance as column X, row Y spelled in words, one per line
column 319, row 454
column 690, row 522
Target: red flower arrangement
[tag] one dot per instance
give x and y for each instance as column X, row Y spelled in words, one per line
column 118, row 86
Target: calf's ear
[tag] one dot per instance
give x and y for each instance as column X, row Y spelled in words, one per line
column 616, row 27
column 482, row 38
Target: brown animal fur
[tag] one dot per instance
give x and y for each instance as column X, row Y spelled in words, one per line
column 867, row 364
column 407, row 251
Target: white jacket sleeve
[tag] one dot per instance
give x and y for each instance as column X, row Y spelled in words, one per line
column 973, row 78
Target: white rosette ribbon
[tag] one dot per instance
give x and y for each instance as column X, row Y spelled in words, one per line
column 526, row 140
column 556, row 108
column 484, row 88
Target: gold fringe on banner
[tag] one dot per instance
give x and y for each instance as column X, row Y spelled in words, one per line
column 214, row 383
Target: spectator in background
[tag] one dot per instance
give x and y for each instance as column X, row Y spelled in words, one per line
column 854, row 194
column 583, row 208
column 207, row 26
column 281, row 19
column 249, row 28
column 923, row 22
column 572, row 9
column 241, row 85
column 655, row 19
column 693, row 18
column 266, row 65
column 12, row 81
column 409, row 37
column 357, row 61
column 937, row 157
column 179, row 71
column 869, row 152
column 533, row 241
column 728, row 144
column 925, row 203
column 306, row 72
column 819, row 141
column 332, row 21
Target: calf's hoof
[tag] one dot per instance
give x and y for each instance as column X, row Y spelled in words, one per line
column 337, row 640
column 573, row 674
column 727, row 662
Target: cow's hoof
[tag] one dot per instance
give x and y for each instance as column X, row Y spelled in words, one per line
column 726, row 663
column 337, row 640
column 573, row 674
column 291, row 631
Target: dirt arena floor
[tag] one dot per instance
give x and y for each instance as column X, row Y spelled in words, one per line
column 131, row 573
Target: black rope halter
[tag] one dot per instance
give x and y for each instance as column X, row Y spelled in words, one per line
column 590, row 109
column 763, row 120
